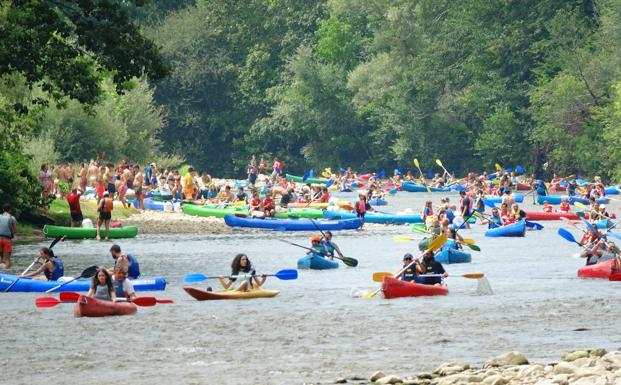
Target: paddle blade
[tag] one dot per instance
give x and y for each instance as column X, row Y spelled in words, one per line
column 473, row 275
column 330, row 183
column 589, row 225
column 519, row 169
column 579, row 204
column 489, row 203
column 287, row 274
column 473, row 247
column 469, row 241
column 416, row 163
column 194, row 277
column 379, row 276
column 145, row 301
column 46, row 302
column 402, row 238
column 56, row 240
column 439, row 163
column 535, row 225
column 89, row 271
column 69, row 296
column 351, row 262
column 566, row 235
column 437, row 243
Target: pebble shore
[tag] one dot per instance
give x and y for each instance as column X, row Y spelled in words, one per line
column 580, row 367
column 159, row 222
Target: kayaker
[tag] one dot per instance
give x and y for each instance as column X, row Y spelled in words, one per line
column 427, row 210
column 127, row 261
column 74, row 208
column 104, row 207
column 241, row 195
column 51, row 266
column 242, row 268
column 330, row 247
column 465, row 206
column 494, row 220
column 410, row 272
column 517, row 212
column 317, row 247
column 102, row 287
column 430, row 266
column 564, row 207
column 8, row 228
column 255, row 208
column 123, row 288
column 287, row 198
column 602, row 251
column 547, row 207
column 268, row 205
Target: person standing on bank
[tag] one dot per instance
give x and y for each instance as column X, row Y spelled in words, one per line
column 8, row 228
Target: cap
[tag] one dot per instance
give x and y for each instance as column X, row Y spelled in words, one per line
column 315, row 238
column 407, row 256
column 153, row 164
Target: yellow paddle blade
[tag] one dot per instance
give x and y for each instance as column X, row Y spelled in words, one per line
column 580, row 204
column 416, row 163
column 469, row 241
column 473, row 275
column 439, row 163
column 498, row 167
column 478, row 214
column 379, row 276
column 402, row 238
column 437, row 243
column 370, row 295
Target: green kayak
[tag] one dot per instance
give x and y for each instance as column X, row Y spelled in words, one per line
column 88, row 232
column 204, row 211
column 299, row 179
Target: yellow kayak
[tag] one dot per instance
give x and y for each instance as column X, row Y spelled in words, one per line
column 204, row 295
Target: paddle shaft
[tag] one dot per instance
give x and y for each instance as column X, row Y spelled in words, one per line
column 54, row 242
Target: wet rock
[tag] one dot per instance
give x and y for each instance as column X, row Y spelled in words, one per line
column 495, row 380
column 376, row 376
column 565, row 368
column 530, row 371
column 509, row 358
column 356, row 378
column 452, row 368
column 598, row 352
column 424, row 375
column 340, row 381
column 574, row 355
column 392, row 379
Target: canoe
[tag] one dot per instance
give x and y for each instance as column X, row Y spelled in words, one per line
column 599, row 270
column 519, row 198
column 91, row 307
column 377, row 202
column 556, row 200
column 292, row 224
column 51, row 231
column 414, row 187
column 450, row 254
column 395, row 288
column 316, row 262
column 300, row 179
column 375, row 217
column 516, row 229
column 33, row 285
column 205, row 211
column 204, row 295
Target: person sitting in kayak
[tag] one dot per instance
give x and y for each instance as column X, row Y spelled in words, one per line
column 268, row 205
column 410, row 274
column 288, row 197
column 241, row 195
column 128, row 262
column 565, row 206
column 427, row 210
column 255, row 208
column 430, row 266
column 51, row 266
column 325, row 195
column 123, row 288
column 602, row 251
column 318, row 248
column 102, row 287
column 242, row 268
column 517, row 212
column 330, row 247
column 547, row 207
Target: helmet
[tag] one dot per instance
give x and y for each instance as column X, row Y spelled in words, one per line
column 315, row 238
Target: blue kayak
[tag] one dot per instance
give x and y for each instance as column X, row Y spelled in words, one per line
column 150, row 204
column 556, row 200
column 603, row 223
column 612, row 190
column 451, row 255
column 414, row 187
column 519, row 198
column 316, row 262
column 33, row 285
column 375, row 217
column 292, row 224
column 517, row 229
column 377, row 202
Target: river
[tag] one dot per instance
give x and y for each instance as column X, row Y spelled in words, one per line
column 314, row 331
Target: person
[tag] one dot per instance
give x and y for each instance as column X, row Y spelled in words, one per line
column 190, row 188
column 465, row 206
column 325, row 195
column 45, row 178
column 148, row 175
column 268, row 205
column 601, row 252
column 227, row 196
column 123, row 288
column 137, row 185
column 241, row 195
column 127, row 261
column 410, row 270
column 517, row 212
column 277, row 167
column 102, row 287
column 74, row 208
column 480, row 201
column 104, row 207
column 508, row 198
column 287, row 198
column 318, row 248
column 547, row 207
column 330, row 247
column 51, row 266
column 565, row 207
column 361, row 207
column 430, row 266
column 262, row 166
column 494, row 220
column 241, row 267
column 427, row 210
column 8, row 228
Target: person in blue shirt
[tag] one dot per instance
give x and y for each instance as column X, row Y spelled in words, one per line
column 494, row 220
column 51, row 266
column 430, row 266
column 129, row 262
column 330, row 246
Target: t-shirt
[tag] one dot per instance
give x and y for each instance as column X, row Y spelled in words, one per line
column 74, row 203
column 123, row 289
column 7, row 221
column 432, row 267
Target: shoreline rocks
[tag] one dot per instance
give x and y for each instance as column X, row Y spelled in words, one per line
column 158, row 222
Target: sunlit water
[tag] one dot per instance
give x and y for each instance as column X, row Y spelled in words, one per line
column 314, row 330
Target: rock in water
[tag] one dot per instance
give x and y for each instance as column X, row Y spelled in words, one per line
column 509, row 358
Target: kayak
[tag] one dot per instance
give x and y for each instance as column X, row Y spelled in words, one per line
column 451, row 254
column 155, row 205
column 556, row 200
column 205, row 295
column 300, row 179
column 612, row 190
column 414, row 187
column 395, row 288
column 599, row 270
column 517, row 229
column 377, row 202
column 558, row 188
column 375, row 217
column 519, row 198
column 91, row 307
column 316, row 262
column 523, row 187
column 51, row 231
column 156, row 195
column 204, row 211
column 541, row 216
column 603, row 223
column 33, row 285
column 292, row 224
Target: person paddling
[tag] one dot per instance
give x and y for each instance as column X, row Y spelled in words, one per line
column 241, row 265
column 128, row 262
column 411, row 273
column 330, row 247
column 430, row 266
column 318, row 248
column 102, row 287
column 51, row 266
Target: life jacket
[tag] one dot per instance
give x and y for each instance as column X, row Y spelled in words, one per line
column 409, row 274
column 428, row 211
column 565, row 206
column 108, row 205
column 547, row 208
column 133, row 271
column 494, row 222
column 329, row 247
column 59, row 270
column 361, row 206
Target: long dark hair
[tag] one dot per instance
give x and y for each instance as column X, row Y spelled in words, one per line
column 108, row 279
column 236, row 264
column 47, row 251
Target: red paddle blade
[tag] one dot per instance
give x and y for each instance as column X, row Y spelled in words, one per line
column 164, row 301
column 69, row 296
column 46, row 302
column 145, row 301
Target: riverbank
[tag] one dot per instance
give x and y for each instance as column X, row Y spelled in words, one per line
column 159, row 222
column 580, row 367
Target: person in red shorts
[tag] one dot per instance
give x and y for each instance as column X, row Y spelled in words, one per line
column 269, row 207
column 8, row 228
column 74, row 208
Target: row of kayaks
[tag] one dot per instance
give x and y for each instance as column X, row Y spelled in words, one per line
column 33, row 285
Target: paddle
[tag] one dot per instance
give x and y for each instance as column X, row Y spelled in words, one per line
column 285, row 275
column 348, row 261
column 70, row 296
column 87, row 273
column 433, row 245
column 352, row 262
column 54, row 242
column 568, row 236
column 379, row 276
column 467, row 241
column 140, row 301
column 421, row 174
column 439, row 163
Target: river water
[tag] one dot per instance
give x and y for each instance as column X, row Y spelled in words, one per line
column 314, row 331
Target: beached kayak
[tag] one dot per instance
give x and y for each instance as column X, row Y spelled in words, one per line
column 316, row 262
column 556, row 200
column 377, row 202
column 205, row 211
column 156, row 195
column 51, row 231
column 292, row 224
column 91, row 307
column 519, row 198
column 395, row 288
column 517, row 229
column 376, row 217
column 205, row 295
column 599, row 270
column 414, row 187
column 33, row 285
column 300, row 179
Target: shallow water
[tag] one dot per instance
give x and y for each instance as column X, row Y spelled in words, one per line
column 314, row 330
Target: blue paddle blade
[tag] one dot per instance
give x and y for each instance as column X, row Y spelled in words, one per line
column 287, row 274
column 195, row 277
column 330, row 183
column 535, row 225
column 491, row 177
column 567, row 235
column 589, row 225
column 489, row 203
column 310, row 173
column 519, row 169
column 392, row 192
column 278, row 171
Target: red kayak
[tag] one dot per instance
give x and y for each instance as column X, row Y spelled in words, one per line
column 557, row 188
column 604, row 270
column 523, row 187
column 91, row 307
column 395, row 288
column 554, row 216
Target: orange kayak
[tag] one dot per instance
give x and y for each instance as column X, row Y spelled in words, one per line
column 602, row 270
column 91, row 307
column 395, row 288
